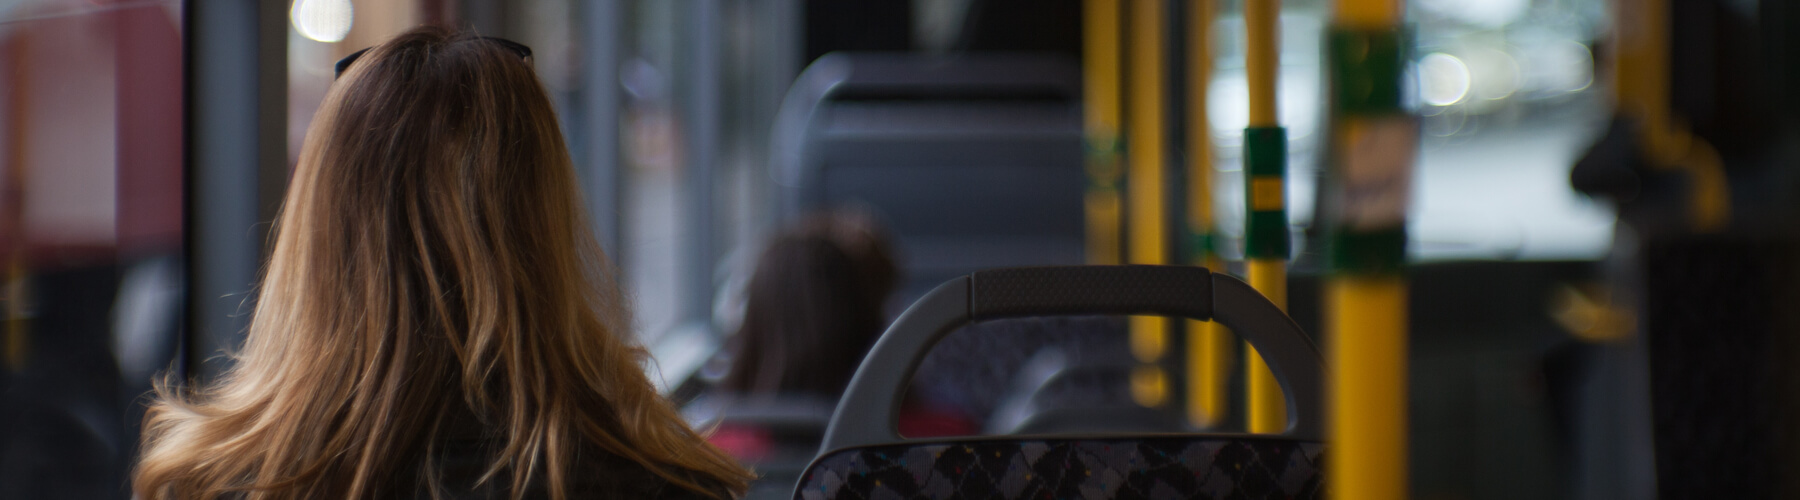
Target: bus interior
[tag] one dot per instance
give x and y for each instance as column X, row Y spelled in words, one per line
column 1478, row 249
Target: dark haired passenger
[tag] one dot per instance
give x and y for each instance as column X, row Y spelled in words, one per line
column 814, row 306
column 435, row 320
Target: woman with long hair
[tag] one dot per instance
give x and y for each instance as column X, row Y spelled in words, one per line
column 435, row 320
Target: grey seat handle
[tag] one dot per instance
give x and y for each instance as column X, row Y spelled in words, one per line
column 868, row 413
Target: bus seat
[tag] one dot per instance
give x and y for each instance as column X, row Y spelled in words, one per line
column 1152, row 466
column 1057, row 392
column 1092, row 398
column 972, row 162
column 863, row 457
column 990, row 370
column 775, row 436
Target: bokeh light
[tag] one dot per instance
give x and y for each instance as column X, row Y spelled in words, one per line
column 1443, row 79
column 323, row 20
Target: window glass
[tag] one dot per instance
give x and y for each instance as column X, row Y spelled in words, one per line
column 90, row 236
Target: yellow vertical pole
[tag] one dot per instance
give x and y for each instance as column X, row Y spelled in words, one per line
column 1209, row 346
column 1265, row 158
column 1267, row 407
column 1367, row 14
column 1102, row 116
column 1374, row 140
column 1641, row 84
column 1640, row 61
column 1366, row 316
column 1144, row 187
column 1146, row 142
column 1262, row 58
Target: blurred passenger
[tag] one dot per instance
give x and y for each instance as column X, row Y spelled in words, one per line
column 813, row 308
column 435, row 321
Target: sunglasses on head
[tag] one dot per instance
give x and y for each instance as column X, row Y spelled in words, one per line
column 517, row 48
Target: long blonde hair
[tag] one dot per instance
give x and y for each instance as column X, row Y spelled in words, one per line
column 431, row 258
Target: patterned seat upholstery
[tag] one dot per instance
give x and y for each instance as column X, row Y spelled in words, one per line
column 1159, row 467
column 866, row 459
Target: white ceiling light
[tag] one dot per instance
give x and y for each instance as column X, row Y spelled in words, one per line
column 323, row 20
column 1443, row 79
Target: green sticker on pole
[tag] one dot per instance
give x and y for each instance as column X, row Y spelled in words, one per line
column 1103, row 153
column 1366, row 67
column 1374, row 145
column 1265, row 193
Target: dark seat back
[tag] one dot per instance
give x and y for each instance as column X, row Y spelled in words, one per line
column 864, row 457
column 1218, row 467
column 1092, row 398
column 972, row 161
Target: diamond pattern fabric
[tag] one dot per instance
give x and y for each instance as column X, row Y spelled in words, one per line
column 1141, row 468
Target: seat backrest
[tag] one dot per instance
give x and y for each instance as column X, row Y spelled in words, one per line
column 776, row 436
column 1217, row 467
column 972, row 161
column 863, row 456
column 1092, row 398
